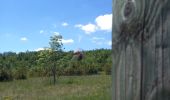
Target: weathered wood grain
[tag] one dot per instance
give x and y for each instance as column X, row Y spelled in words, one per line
column 141, row 49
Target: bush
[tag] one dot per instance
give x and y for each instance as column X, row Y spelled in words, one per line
column 107, row 69
column 38, row 72
column 80, row 68
column 92, row 71
column 20, row 73
column 5, row 75
column 68, row 71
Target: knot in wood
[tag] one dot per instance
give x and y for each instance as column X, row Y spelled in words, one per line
column 129, row 8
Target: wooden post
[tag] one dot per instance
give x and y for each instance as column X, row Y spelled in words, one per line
column 141, row 49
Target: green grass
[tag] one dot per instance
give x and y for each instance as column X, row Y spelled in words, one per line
column 94, row 87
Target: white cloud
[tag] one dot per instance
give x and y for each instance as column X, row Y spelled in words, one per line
column 56, row 33
column 64, row 24
column 104, row 22
column 67, row 41
column 89, row 28
column 23, row 39
column 41, row 31
column 39, row 49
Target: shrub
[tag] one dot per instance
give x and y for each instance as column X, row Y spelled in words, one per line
column 5, row 74
column 107, row 69
column 20, row 73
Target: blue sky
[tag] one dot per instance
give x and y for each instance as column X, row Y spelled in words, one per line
column 28, row 24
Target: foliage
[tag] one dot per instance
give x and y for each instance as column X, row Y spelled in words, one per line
column 20, row 73
column 49, row 58
column 36, row 64
column 5, row 75
column 55, row 54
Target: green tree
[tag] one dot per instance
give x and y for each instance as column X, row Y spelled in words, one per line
column 43, row 62
column 55, row 54
column 49, row 58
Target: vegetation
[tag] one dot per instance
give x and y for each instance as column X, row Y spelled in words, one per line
column 32, row 73
column 35, row 64
column 93, row 87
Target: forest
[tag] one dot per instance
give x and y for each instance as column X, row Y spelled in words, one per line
column 23, row 65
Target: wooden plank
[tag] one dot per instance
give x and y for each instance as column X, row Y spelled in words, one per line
column 141, row 45
column 133, row 67
column 166, row 51
column 120, row 77
column 159, row 62
column 150, row 69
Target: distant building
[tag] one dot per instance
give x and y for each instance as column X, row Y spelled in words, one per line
column 78, row 55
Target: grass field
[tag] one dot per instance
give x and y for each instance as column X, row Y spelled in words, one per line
column 94, row 87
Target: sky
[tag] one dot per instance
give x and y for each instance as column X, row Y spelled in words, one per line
column 26, row 25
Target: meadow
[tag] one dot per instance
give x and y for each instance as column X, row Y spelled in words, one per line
column 89, row 87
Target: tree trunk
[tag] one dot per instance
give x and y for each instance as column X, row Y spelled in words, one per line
column 141, row 50
column 54, row 73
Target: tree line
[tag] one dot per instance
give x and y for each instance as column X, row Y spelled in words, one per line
column 47, row 63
